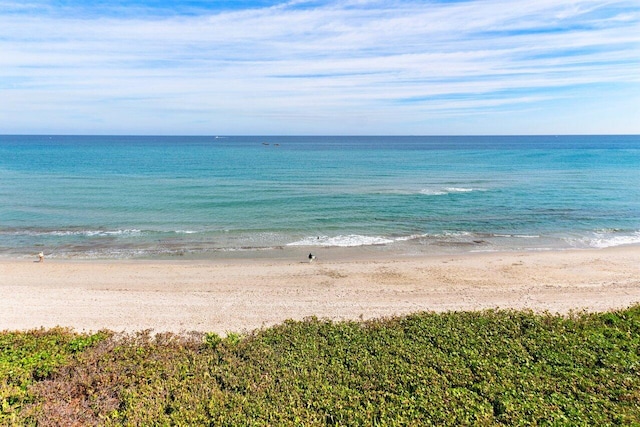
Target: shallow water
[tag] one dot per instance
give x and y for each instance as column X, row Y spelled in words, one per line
column 129, row 197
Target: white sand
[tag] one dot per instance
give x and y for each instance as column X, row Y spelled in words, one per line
column 240, row 295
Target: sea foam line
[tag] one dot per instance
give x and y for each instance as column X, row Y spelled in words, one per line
column 91, row 233
column 448, row 190
column 62, row 233
column 344, row 241
column 606, row 240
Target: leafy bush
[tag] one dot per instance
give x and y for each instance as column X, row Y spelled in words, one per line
column 30, row 357
column 475, row 368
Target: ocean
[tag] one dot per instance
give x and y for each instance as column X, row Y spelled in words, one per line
column 146, row 197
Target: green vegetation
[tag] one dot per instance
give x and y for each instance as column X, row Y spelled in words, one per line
column 29, row 357
column 476, row 368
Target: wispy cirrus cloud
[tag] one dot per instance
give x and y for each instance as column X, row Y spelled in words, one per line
column 320, row 67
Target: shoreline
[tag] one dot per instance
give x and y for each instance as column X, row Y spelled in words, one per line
column 243, row 294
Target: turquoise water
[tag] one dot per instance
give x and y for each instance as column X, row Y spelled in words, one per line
column 127, row 197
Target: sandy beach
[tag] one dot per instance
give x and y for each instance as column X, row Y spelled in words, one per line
column 244, row 294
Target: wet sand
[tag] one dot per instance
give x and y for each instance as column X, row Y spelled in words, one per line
column 244, row 294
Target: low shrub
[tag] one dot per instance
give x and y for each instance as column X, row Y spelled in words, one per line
column 468, row 368
column 30, row 357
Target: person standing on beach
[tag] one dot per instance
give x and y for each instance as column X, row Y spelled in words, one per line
column 41, row 257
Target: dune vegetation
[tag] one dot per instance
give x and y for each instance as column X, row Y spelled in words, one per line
column 457, row 368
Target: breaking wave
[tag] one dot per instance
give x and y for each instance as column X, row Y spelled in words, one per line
column 448, row 190
column 606, row 239
column 350, row 240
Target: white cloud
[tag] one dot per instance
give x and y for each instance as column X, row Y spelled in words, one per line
column 345, row 61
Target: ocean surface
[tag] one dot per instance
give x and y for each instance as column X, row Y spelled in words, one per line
column 204, row 197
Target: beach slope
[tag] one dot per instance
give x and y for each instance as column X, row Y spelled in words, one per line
column 241, row 295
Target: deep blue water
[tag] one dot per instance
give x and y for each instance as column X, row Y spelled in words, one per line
column 129, row 196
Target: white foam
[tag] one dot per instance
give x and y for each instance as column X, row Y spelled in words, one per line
column 448, row 190
column 350, row 240
column 448, row 234
column 458, row 190
column 411, row 237
column 90, row 233
column 431, row 192
column 601, row 240
column 87, row 233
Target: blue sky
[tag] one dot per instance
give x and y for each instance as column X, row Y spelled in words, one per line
column 394, row 67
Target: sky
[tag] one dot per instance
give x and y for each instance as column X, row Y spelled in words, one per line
column 320, row 67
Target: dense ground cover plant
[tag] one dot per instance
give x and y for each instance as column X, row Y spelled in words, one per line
column 469, row 368
column 29, row 357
